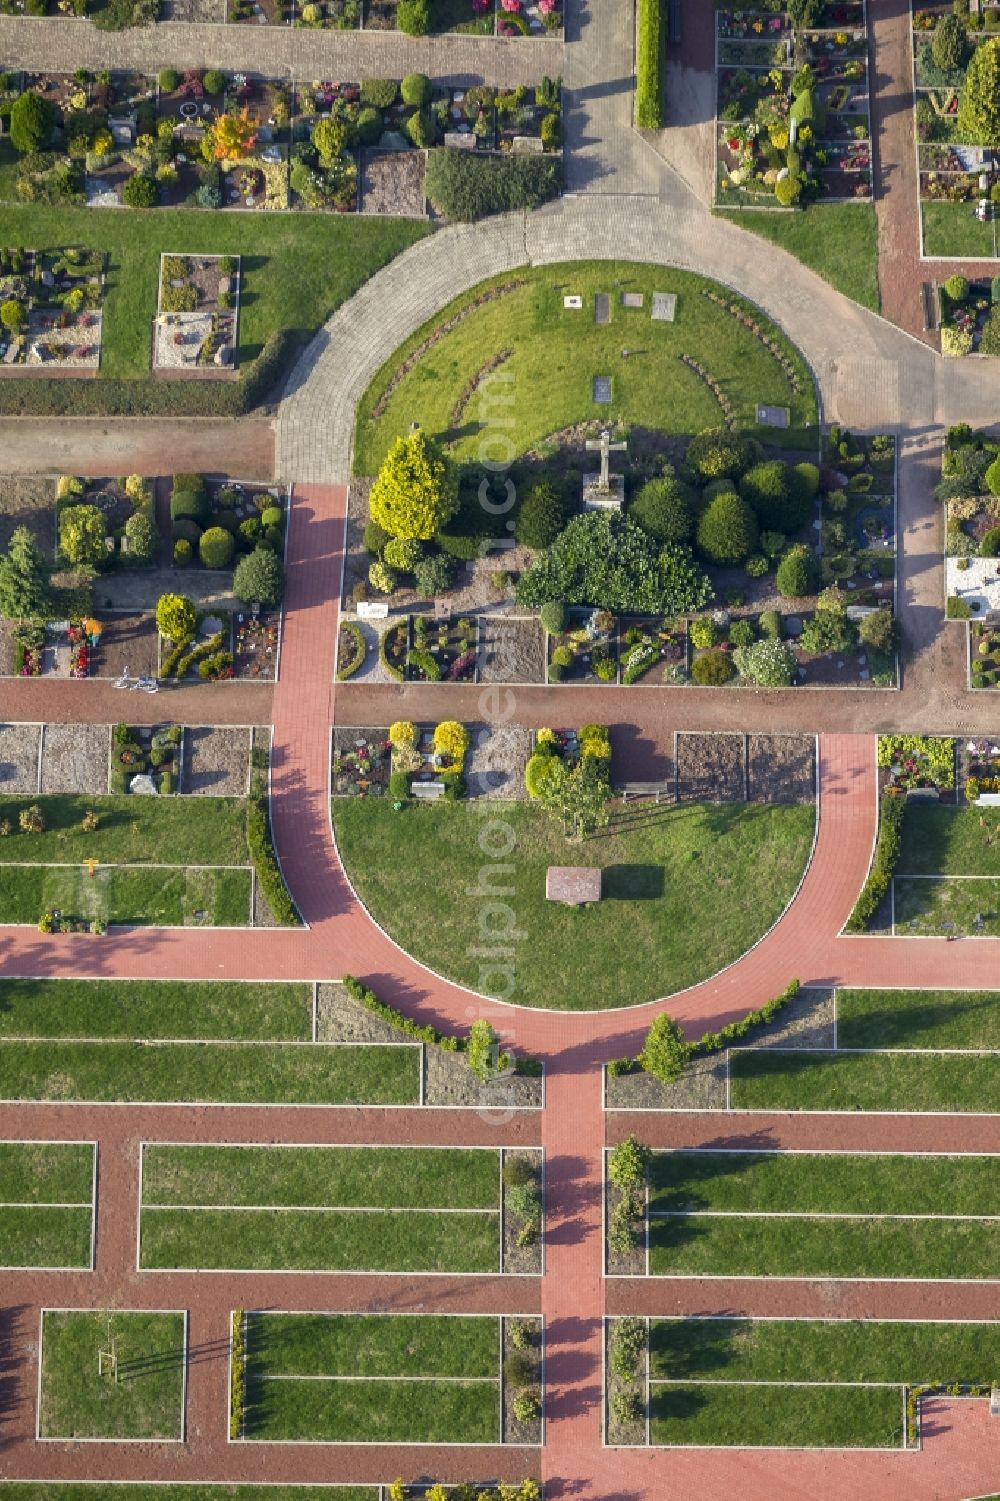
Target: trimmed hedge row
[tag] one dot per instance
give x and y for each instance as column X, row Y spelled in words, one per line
column 154, row 398
column 464, row 185
column 265, row 863
column 649, row 47
column 714, row 1042
column 892, row 811
column 237, row 1374
column 422, row 1031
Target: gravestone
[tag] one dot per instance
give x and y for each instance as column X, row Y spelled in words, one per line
column 602, row 308
column 602, row 390
column 604, row 491
column 664, row 307
column 632, row 299
column 373, row 609
column 460, row 140
column 527, row 146
column 573, row 303
column 143, row 785
column 768, row 416
column 573, row 885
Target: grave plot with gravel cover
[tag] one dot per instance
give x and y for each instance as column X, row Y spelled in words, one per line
column 19, row 744
column 75, row 758
column 216, row 761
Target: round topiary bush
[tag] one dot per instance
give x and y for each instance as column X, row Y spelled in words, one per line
column 788, row 191
column 989, row 547
column 704, row 632
column 777, row 499
column 727, row 530
column 770, row 625
column 562, row 657
column 403, row 553
column 382, row 577
column 214, row 82
column 538, row 771
column 957, row 288
column 215, row 547
column 168, row 80
column 664, row 508
column 185, row 531
column 416, row 88
column 805, row 479
column 141, row 535
column 140, row 191
column 182, row 552
column 554, row 616
column 12, row 314
column 712, row 668
column 189, row 505
column 540, row 519
column 368, row 126
column 259, row 578
column 375, row 538
column 798, row 573
column 717, row 452
column 176, row 617
column 993, row 477
column 271, row 516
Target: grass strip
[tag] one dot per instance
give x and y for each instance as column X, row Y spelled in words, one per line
column 324, row 1240
column 918, row 1018
column 128, row 895
column 43, row 1172
column 238, row 1073
column 810, row 1417
column 839, row 241
column 894, row 1350
column 651, row 32
column 311, row 1344
column 665, row 873
column 387, row 1177
column 398, row 1412
column 31, row 1236
column 795, row 1247
column 834, row 1182
column 145, row 1402
column 947, row 906
column 130, row 831
column 764, row 1080
column 273, row 1011
column 942, row 841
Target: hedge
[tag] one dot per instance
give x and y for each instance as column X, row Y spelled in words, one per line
column 422, row 1031
column 465, row 185
column 650, row 37
column 265, row 863
column 892, row 811
column 154, row 398
column 237, row 1373
column 714, row 1042
column 350, row 666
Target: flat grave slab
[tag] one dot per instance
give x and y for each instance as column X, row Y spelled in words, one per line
column 664, row 307
column 602, row 389
column 773, row 416
column 633, row 299
column 602, row 308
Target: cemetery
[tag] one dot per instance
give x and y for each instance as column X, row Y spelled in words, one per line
column 47, row 1203
column 165, row 1041
column 112, row 1376
column 398, row 1209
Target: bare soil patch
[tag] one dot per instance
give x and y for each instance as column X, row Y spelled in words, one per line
column 128, row 640
column 494, row 767
column 19, row 758
column 216, row 761
column 702, row 1086
column 710, row 768
column 781, row 769
column 75, row 758
column 28, row 501
column 392, row 182
column 512, row 649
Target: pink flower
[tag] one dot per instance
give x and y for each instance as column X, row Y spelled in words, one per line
column 546, row 7
column 512, row 7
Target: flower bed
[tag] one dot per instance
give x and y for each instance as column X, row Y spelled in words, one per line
column 907, row 762
column 52, row 309
column 587, row 652
column 443, row 650
column 978, row 768
column 361, row 765
column 256, row 643
column 197, row 314
column 652, row 651
column 969, row 316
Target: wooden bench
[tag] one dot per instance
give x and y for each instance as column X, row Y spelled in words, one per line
column 655, row 790
column 427, row 791
column 930, row 305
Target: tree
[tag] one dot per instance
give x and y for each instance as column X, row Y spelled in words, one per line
column 482, row 1051
column 176, row 617
column 416, row 490
column 232, row 135
column 665, row 1053
column 578, row 800
column 627, row 1164
column 879, row 630
column 24, row 578
column 797, row 572
column 259, row 578
column 949, row 43
column 82, row 536
column 727, row 530
column 979, row 105
column 540, row 519
column 142, row 537
column 781, row 504
column 664, row 509
column 32, row 120
column 769, row 663
column 330, row 139
column 140, row 191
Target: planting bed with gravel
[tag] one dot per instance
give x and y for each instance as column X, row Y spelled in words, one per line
column 75, row 758
column 781, row 768
column 216, row 761
column 392, row 182
column 494, row 766
column 19, row 758
column 511, row 649
column 128, row 640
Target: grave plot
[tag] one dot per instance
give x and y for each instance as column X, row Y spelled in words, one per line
column 105, row 523
column 126, row 642
column 216, row 761
column 496, row 760
column 352, row 648
column 585, row 650
column 173, row 1041
column 892, row 1050
column 363, row 1209
column 443, row 650
column 529, row 120
column 392, row 182
column 807, row 1383
column 146, row 759
column 361, row 762
column 652, row 650
column 809, row 1214
column 972, row 535
column 19, row 748
column 257, row 643
column 113, row 1375
column 511, row 649
column 214, row 520
column 947, row 876
column 47, row 1204
column 376, row 1378
column 205, row 656
column 338, row 15
column 252, row 140
column 191, row 101
column 710, row 767
column 328, row 117
column 197, row 315
column 52, row 305
column 264, row 12
column 428, row 763
column 75, row 759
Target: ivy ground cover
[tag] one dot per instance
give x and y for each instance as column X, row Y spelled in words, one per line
column 810, row 1214
column 863, row 1368
column 378, row 1209
column 888, row 1057
column 352, row 1378
column 146, row 1402
column 46, row 1203
column 150, row 1040
column 556, row 353
column 694, row 887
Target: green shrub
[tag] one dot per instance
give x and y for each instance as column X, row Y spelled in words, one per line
column 797, row 573
column 768, row 663
column 433, row 575
column 664, row 508
column 380, row 93
column 214, row 82
column 606, row 561
column 425, row 663
column 665, row 1053
column 140, row 191
column 399, row 785
column 756, row 566
column 779, row 501
column 704, row 632
column 957, row 288
column 770, row 625
column 554, row 617
column 189, row 505
column 788, row 191
column 265, row 863
column 31, row 122
column 465, row 185
column 416, row 88
column 649, row 59
column 540, row 519
column 716, row 453
column 989, row 547
column 727, row 530
column 375, row 538
column 186, row 531
column 259, row 578
column 182, row 552
column 215, row 547
column 142, row 537
column 892, row 810
column 712, row 669
column 628, row 1163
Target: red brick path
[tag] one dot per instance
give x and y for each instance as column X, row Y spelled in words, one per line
column 961, row 1456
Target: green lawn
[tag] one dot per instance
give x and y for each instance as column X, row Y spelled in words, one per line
column 383, row 1214
column 693, row 888
column 812, row 1417
column 763, row 1079
column 274, row 1011
column 145, row 1403
column 839, row 241
column 952, row 229
column 46, row 1193
column 947, row 906
column 548, row 380
column 296, row 268
column 733, row 1240
column 161, row 897
column 131, row 831
column 942, row 841
column 372, row 1379
column 238, row 1073
column 918, row 1019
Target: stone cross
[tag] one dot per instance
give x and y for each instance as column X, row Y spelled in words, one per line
column 605, row 447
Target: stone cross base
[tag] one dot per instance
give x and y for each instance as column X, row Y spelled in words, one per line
column 596, row 499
